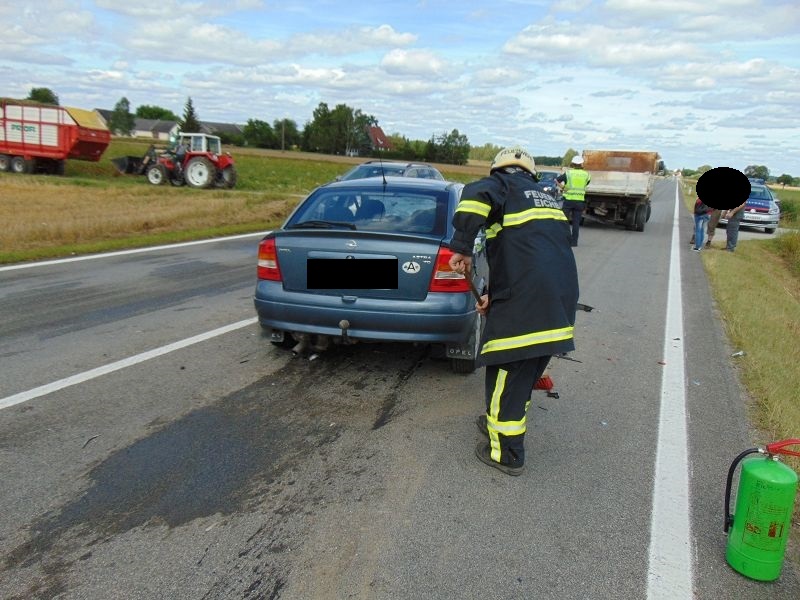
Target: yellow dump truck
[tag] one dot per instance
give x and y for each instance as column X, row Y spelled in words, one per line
column 621, row 184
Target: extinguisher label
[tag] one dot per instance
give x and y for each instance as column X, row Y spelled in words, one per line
column 765, row 525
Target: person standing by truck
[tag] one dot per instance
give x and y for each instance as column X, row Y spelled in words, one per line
column 573, row 185
column 532, row 297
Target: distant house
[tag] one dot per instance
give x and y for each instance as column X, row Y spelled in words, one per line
column 378, row 138
column 161, row 130
column 155, row 128
column 221, row 129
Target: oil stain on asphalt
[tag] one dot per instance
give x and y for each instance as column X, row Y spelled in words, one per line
column 223, row 458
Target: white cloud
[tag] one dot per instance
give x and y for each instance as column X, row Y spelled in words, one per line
column 556, row 74
column 412, row 62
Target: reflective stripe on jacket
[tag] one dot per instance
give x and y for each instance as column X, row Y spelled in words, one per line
column 575, row 187
column 533, row 280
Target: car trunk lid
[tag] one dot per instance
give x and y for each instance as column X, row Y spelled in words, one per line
column 357, row 264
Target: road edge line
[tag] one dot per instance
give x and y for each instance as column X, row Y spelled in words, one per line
column 669, row 573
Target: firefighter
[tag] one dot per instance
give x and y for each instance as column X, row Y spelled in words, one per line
column 531, row 299
column 573, row 185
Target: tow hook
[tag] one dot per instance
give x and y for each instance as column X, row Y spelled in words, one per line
column 344, row 324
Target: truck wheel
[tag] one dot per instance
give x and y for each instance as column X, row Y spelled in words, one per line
column 227, row 177
column 630, row 221
column 5, row 163
column 60, row 167
column 157, row 174
column 640, row 217
column 19, row 165
column 649, row 210
column 199, row 172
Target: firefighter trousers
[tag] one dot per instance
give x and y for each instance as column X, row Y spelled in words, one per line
column 508, row 394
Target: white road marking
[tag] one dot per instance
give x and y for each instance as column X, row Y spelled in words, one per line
column 670, row 563
column 59, row 261
column 120, row 364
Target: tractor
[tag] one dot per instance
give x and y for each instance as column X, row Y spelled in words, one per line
column 196, row 160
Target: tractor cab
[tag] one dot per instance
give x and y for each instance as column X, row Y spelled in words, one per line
column 200, row 143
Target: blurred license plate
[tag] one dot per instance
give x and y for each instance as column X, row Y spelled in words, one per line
column 351, row 273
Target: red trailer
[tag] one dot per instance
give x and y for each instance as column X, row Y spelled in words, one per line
column 37, row 137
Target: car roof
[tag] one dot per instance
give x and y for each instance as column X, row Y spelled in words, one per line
column 373, row 183
column 396, row 163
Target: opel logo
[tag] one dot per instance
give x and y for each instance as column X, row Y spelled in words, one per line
column 351, row 244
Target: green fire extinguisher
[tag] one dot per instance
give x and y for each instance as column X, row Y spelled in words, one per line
column 759, row 528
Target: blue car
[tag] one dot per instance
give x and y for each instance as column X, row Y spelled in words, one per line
column 761, row 209
column 367, row 261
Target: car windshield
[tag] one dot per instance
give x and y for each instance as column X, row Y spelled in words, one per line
column 759, row 193
column 400, row 211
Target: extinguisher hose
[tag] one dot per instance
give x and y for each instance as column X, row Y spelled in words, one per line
column 734, row 464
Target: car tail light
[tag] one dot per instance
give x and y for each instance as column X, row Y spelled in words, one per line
column 268, row 261
column 444, row 278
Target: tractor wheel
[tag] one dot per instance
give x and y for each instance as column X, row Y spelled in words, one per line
column 199, row 172
column 227, row 177
column 5, row 163
column 157, row 174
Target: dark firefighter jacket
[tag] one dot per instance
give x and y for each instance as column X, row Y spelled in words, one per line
column 533, row 280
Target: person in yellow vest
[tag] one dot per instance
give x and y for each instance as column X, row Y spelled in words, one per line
column 573, row 186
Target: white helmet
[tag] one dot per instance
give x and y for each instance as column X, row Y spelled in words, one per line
column 514, row 156
column 577, row 160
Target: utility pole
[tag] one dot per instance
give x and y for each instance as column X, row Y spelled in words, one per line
column 283, row 134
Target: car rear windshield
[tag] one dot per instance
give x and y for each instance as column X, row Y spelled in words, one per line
column 376, row 170
column 400, row 211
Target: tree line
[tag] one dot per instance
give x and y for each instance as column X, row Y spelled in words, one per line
column 345, row 130
column 753, row 171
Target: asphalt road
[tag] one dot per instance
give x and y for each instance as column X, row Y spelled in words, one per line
column 222, row 467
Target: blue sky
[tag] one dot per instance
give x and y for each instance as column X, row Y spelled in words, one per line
column 714, row 82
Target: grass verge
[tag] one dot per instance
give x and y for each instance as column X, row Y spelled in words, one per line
column 757, row 291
